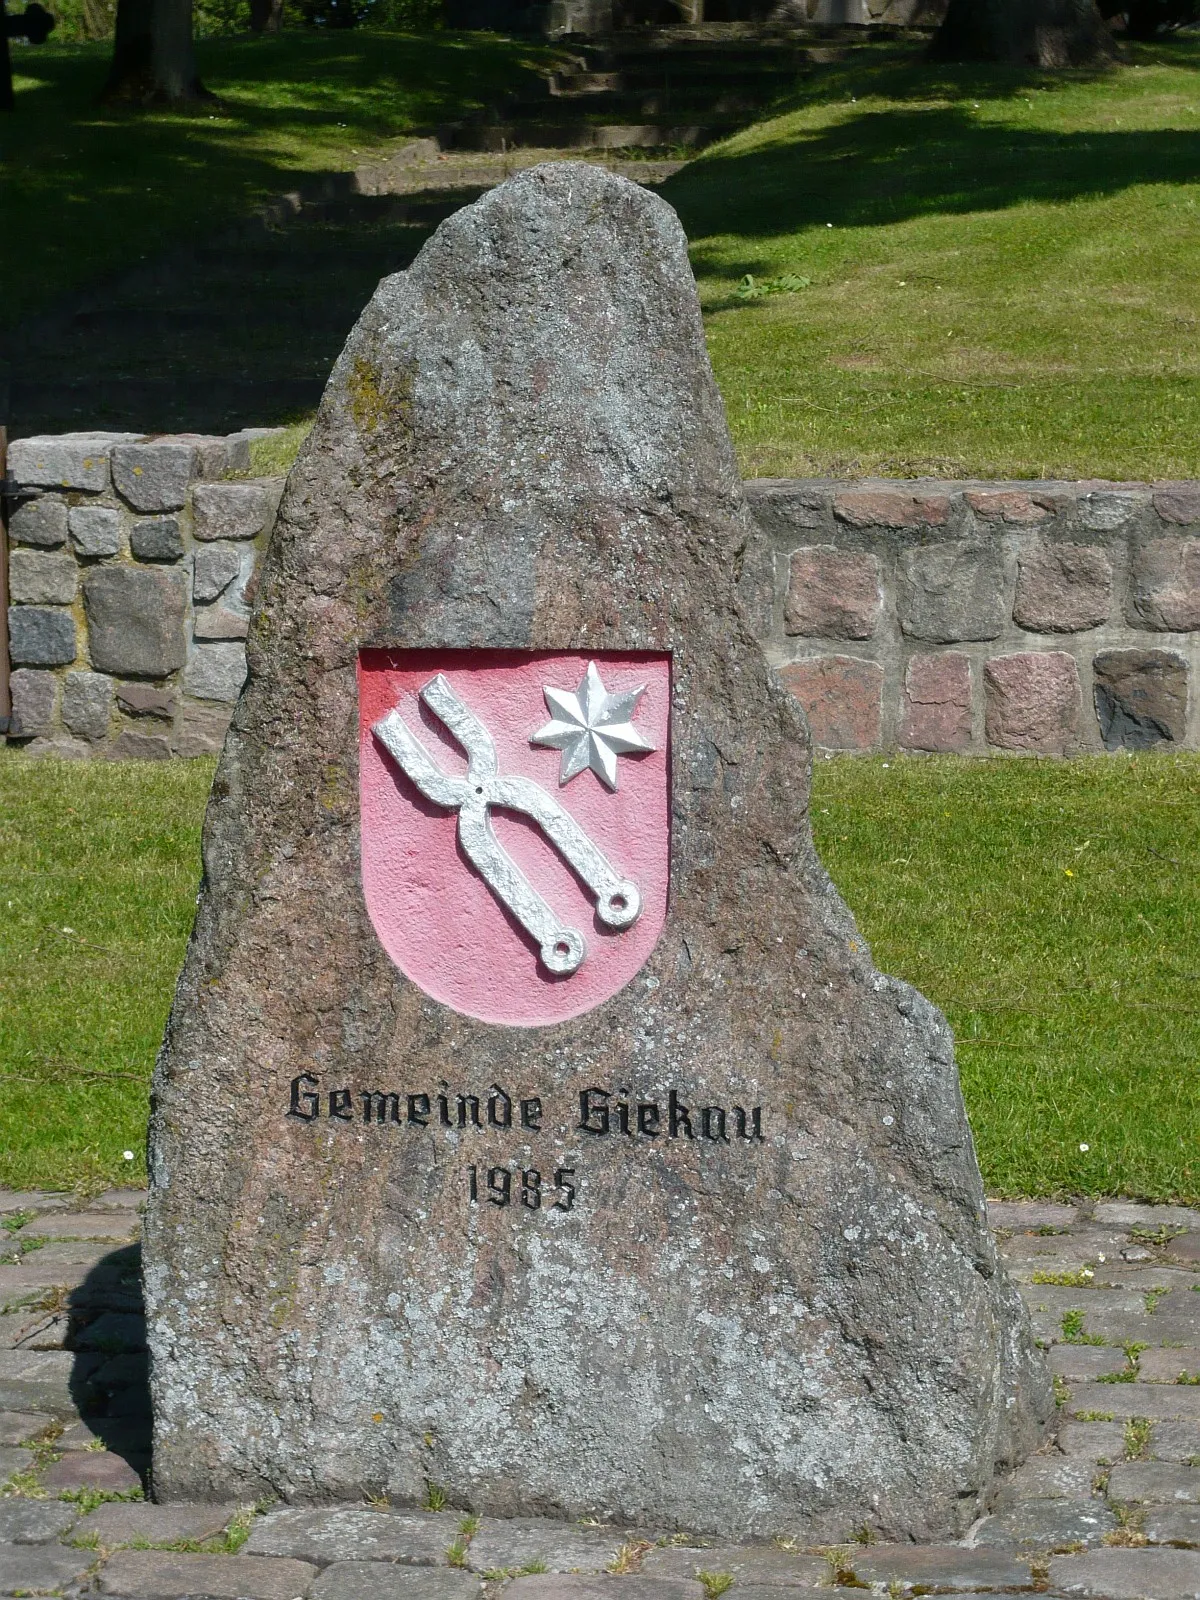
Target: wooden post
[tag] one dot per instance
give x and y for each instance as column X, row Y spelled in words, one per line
column 5, row 695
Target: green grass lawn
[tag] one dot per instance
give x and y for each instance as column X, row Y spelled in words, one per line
column 88, row 190
column 1001, row 264
column 1051, row 909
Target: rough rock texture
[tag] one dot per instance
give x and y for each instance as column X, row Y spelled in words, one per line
column 95, row 530
column 1063, row 588
column 40, row 522
column 948, row 592
column 1141, row 697
column 522, row 447
column 842, row 699
column 937, row 702
column 135, row 620
column 1033, row 702
column 33, row 695
column 40, row 637
column 833, row 592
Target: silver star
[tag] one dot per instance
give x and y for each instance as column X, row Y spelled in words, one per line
column 591, row 727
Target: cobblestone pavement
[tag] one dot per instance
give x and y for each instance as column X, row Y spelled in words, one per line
column 1110, row 1509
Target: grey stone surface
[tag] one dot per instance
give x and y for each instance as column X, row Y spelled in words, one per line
column 40, row 579
column 559, row 1547
column 1048, row 1477
column 1104, row 511
column 81, row 1225
column 214, row 569
column 163, row 1575
column 137, row 1522
column 229, row 510
column 87, row 704
column 40, row 521
column 1178, row 1525
column 28, row 1569
column 132, row 745
column 1031, row 1214
column 215, row 671
column 201, row 729
column 939, row 1567
column 95, row 530
column 384, row 1580
column 827, row 1304
column 156, row 539
column 1078, row 1363
column 92, row 1469
column 1176, row 1365
column 355, row 1533
column 219, row 622
column 135, row 620
column 17, row 1426
column 1162, row 1481
column 581, row 1586
column 114, row 1331
column 949, row 592
column 746, row 1564
column 35, row 1521
column 13, row 1459
column 33, row 695
column 40, row 637
column 1129, row 1214
column 1092, row 1441
column 1141, row 697
column 1047, row 1525
column 1177, row 1441
column 64, row 460
column 1168, row 1402
column 147, row 700
column 1128, row 1575
column 154, row 477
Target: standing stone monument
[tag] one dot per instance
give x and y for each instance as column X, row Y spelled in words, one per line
column 531, row 1119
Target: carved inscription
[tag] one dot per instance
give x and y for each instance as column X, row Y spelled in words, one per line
column 598, row 1112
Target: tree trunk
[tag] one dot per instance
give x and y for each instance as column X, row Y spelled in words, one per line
column 1039, row 33
column 266, row 16
column 154, row 61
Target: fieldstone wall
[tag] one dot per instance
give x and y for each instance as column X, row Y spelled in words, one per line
column 1040, row 618
column 132, row 564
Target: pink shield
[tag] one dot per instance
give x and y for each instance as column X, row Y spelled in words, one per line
column 476, row 839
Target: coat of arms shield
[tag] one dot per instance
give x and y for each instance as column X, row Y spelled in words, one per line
column 515, row 812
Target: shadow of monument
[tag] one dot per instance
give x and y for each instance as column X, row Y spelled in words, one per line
column 109, row 1380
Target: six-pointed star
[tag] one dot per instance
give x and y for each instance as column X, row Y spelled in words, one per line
column 591, row 727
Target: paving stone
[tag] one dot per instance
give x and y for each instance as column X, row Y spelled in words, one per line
column 1176, row 1441
column 147, row 700
column 1062, row 588
column 1079, row 1363
column 356, row 1533
column 832, row 593
column 87, row 704
column 32, row 1200
column 135, row 620
column 1161, row 1481
column 560, row 1546
column 41, row 1569
column 1030, row 1214
column 1185, row 1247
column 1128, row 1574
column 1177, row 502
column 1007, row 504
column 939, row 1567
column 1156, row 1401
column 92, row 1469
column 1084, row 1243
column 229, row 510
column 35, row 1521
column 1032, row 702
column 154, row 477
column 1092, row 1441
column 1047, row 1477
column 18, row 1426
column 40, row 637
column 214, row 569
column 1172, row 1525
column 1061, row 1297
column 81, row 1225
column 114, row 1331
column 588, row 1586
column 747, row 1564
column 39, row 578
column 936, row 710
column 33, row 693
column 163, row 1575
column 156, row 539
column 127, row 1437
column 36, row 1364
column 1169, row 1366
column 1120, row 1274
column 215, row 671
column 951, row 592
column 1141, row 698
column 1047, row 1525
column 41, row 521
column 201, row 729
column 384, row 1580
column 1165, row 586
column 131, row 1200
column 95, row 530
column 890, row 508
column 130, row 1371
column 14, row 1460
column 78, row 1254
column 24, row 1394
column 137, row 1522
column 1128, row 1214
column 842, row 699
